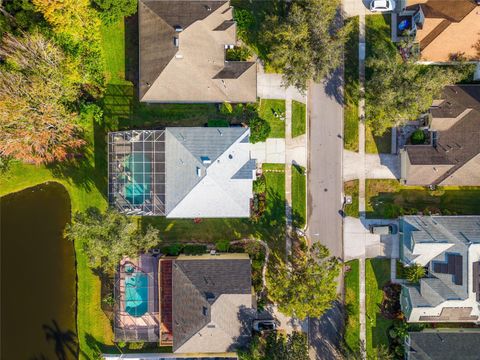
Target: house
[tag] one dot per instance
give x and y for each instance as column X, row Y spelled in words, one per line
column 449, row 249
column 206, row 303
column 182, row 172
column 451, row 155
column 444, row 29
column 201, row 304
column 182, row 49
column 443, row 344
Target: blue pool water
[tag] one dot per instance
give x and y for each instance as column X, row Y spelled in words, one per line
column 138, row 189
column 136, row 294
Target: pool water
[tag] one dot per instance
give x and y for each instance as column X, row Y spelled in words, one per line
column 136, row 294
column 138, row 189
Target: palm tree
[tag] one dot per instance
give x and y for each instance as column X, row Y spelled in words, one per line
column 414, row 273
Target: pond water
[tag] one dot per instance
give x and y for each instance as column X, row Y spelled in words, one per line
column 38, row 279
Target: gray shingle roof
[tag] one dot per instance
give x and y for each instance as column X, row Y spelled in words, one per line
column 197, row 284
column 460, row 231
column 246, row 172
column 189, row 152
column 442, row 345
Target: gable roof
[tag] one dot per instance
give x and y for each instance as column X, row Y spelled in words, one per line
column 456, row 144
column 182, row 53
column 201, row 172
column 443, row 344
column 210, row 296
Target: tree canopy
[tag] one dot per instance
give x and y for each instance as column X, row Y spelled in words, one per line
column 37, row 83
column 277, row 346
column 108, row 237
column 114, row 10
column 307, row 286
column 308, row 42
column 398, row 91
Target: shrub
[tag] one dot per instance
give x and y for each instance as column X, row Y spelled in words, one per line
column 414, row 273
column 238, row 53
column 222, row 245
column 226, row 108
column 113, row 10
column 244, row 20
column 260, row 185
column 218, row 123
column 172, row 250
column 259, row 130
column 194, row 249
column 418, row 137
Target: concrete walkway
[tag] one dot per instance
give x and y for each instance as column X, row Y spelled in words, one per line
column 370, row 166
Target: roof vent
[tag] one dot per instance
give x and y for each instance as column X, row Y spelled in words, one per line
column 208, row 8
column 230, row 156
column 176, row 41
column 199, row 172
column 178, row 28
column 205, row 160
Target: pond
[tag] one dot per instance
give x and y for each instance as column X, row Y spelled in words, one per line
column 38, row 278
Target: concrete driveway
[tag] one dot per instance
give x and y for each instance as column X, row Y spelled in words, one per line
column 377, row 166
column 359, row 242
column 270, row 86
column 271, row 151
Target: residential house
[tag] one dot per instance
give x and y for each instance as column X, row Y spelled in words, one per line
column 443, row 344
column 451, row 155
column 182, row 49
column 182, row 172
column 444, row 29
column 449, row 249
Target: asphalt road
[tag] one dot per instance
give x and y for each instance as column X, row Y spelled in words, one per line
column 325, row 164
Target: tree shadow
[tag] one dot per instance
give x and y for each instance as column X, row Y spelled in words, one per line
column 334, row 85
column 131, row 50
column 65, row 342
column 245, row 318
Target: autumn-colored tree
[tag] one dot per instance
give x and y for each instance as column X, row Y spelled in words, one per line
column 36, row 85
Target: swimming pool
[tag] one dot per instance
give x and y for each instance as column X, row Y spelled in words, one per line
column 137, row 190
column 136, row 294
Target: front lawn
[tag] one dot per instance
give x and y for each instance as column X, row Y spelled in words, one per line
column 273, row 111
column 351, row 188
column 352, row 307
column 299, row 196
column 299, row 118
column 378, row 144
column 352, row 89
column 389, row 199
column 377, row 274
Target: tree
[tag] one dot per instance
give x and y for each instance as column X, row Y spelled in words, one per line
column 277, row 346
column 398, row 91
column 114, row 10
column 259, row 129
column 108, row 237
column 308, row 42
column 36, row 86
column 414, row 273
column 307, row 286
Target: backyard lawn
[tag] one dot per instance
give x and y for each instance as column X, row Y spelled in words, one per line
column 273, row 111
column 352, row 89
column 390, row 199
column 352, row 307
column 299, row 196
column 299, row 118
column 377, row 274
column 351, row 188
column 378, row 44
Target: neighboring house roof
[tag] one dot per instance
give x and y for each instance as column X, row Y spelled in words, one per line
column 450, row 27
column 453, row 156
column 443, row 245
column 182, row 53
column 182, row 172
column 212, row 303
column 444, row 344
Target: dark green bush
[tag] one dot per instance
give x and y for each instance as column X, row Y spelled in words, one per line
column 259, row 130
column 418, row 137
column 194, row 249
column 222, row 245
column 238, row 53
column 259, row 185
column 171, row 250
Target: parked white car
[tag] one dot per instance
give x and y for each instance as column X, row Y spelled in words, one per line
column 382, row 5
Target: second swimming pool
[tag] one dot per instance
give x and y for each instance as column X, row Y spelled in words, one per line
column 136, row 294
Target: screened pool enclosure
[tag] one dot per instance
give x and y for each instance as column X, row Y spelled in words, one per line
column 136, row 172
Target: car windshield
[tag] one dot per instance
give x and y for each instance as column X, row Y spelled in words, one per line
column 264, row 326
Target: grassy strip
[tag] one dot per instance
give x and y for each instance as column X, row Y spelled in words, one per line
column 299, row 196
column 299, row 118
column 352, row 89
column 114, row 44
column 273, row 167
column 389, row 199
column 378, row 144
column 377, row 274
column 352, row 307
column 351, row 188
column 267, row 110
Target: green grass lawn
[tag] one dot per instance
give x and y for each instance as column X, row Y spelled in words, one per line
column 351, row 188
column 267, row 110
column 352, row 89
column 114, row 44
column 299, row 196
column 378, row 144
column 390, row 199
column 299, row 118
column 352, row 307
column 377, row 274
